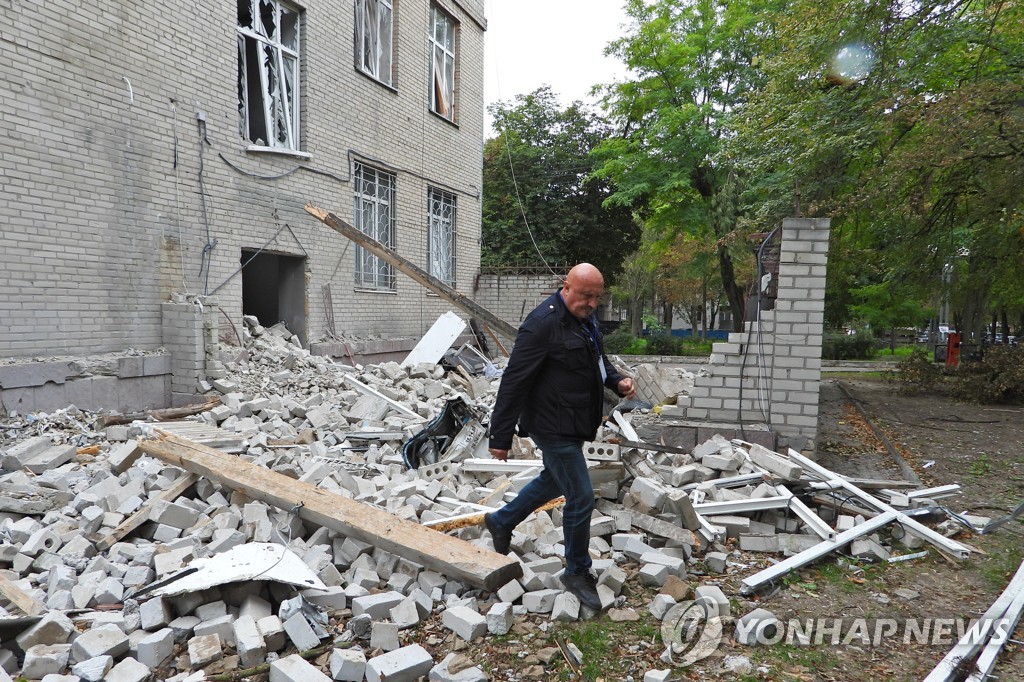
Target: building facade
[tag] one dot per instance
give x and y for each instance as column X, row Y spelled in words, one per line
column 161, row 154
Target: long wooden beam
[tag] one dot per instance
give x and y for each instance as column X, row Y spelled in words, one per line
column 448, row 555
column 413, row 271
column 14, row 594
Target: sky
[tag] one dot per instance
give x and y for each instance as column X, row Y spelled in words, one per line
column 560, row 43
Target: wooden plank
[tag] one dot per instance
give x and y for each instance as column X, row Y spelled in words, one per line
column 450, row 556
column 159, row 415
column 15, row 595
column 141, row 515
column 416, row 273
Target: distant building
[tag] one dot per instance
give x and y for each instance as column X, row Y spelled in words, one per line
column 159, row 152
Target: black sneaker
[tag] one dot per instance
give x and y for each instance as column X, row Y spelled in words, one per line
column 502, row 538
column 584, row 586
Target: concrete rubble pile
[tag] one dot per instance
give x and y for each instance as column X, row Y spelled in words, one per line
column 181, row 593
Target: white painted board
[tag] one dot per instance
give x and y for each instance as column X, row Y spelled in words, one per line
column 438, row 339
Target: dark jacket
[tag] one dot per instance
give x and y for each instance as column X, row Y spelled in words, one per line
column 552, row 384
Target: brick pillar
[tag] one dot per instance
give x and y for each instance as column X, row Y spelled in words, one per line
column 190, row 336
column 771, row 372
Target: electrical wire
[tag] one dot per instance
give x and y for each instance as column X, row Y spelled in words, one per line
column 177, row 199
column 207, row 255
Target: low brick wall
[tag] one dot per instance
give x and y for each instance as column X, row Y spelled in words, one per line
column 125, row 383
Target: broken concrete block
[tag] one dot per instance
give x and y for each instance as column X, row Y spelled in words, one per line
column 653, row 575
column 713, row 599
column 249, row 642
column 156, row 648
column 402, row 665
column 273, row 632
column 204, row 650
column 377, row 606
column 300, row 632
column 869, row 550
column 775, row 463
column 500, row 618
column 43, row 540
column 511, row 591
column 457, row 668
column 45, row 659
column 540, row 601
column 384, row 636
column 660, row 605
column 107, row 640
column 294, row 668
column 54, row 628
column 716, row 561
column 347, row 665
column 94, row 669
column 331, row 599
column 759, row 543
column 406, row 614
column 566, row 607
column 657, row 676
column 464, row 622
column 14, row 456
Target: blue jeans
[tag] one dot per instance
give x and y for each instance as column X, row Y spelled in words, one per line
column 565, row 473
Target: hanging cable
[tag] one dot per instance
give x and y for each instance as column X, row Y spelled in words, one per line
column 522, row 210
column 207, row 257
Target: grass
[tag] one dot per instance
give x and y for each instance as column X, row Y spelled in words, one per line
column 601, row 642
column 980, row 466
column 901, row 352
column 872, row 374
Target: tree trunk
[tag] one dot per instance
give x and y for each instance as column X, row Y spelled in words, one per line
column 733, row 292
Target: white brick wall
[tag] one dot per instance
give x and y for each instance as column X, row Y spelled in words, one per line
column 781, row 375
column 99, row 227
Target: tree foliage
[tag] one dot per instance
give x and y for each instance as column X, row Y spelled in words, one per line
column 904, row 123
column 690, row 65
column 539, row 166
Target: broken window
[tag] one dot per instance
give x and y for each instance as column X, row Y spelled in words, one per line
column 268, row 73
column 374, row 38
column 442, row 63
column 374, row 217
column 441, row 235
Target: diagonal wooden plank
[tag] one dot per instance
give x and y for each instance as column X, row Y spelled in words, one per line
column 451, row 556
column 141, row 515
column 15, row 595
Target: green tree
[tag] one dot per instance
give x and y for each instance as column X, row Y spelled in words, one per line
column 903, row 123
column 538, row 169
column 690, row 68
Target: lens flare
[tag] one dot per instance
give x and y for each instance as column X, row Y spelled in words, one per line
column 852, row 63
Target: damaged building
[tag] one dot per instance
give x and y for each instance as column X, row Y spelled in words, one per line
column 157, row 159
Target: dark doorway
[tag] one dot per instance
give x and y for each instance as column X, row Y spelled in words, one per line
column 274, row 290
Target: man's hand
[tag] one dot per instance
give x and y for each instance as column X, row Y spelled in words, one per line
column 498, row 454
column 627, row 389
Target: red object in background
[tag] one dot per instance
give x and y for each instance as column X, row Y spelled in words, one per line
column 952, row 349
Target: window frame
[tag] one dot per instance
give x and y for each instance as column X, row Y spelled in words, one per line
column 361, row 18
column 439, row 229
column 372, row 272
column 450, row 112
column 277, row 121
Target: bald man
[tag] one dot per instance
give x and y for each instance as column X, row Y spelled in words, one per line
column 553, row 387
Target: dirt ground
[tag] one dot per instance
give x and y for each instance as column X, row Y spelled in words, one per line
column 978, row 447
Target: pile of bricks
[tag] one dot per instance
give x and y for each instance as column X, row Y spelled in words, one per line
column 103, row 611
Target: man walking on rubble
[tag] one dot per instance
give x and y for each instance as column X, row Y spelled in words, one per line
column 554, row 387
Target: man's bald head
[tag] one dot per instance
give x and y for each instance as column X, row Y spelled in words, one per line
column 582, row 291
